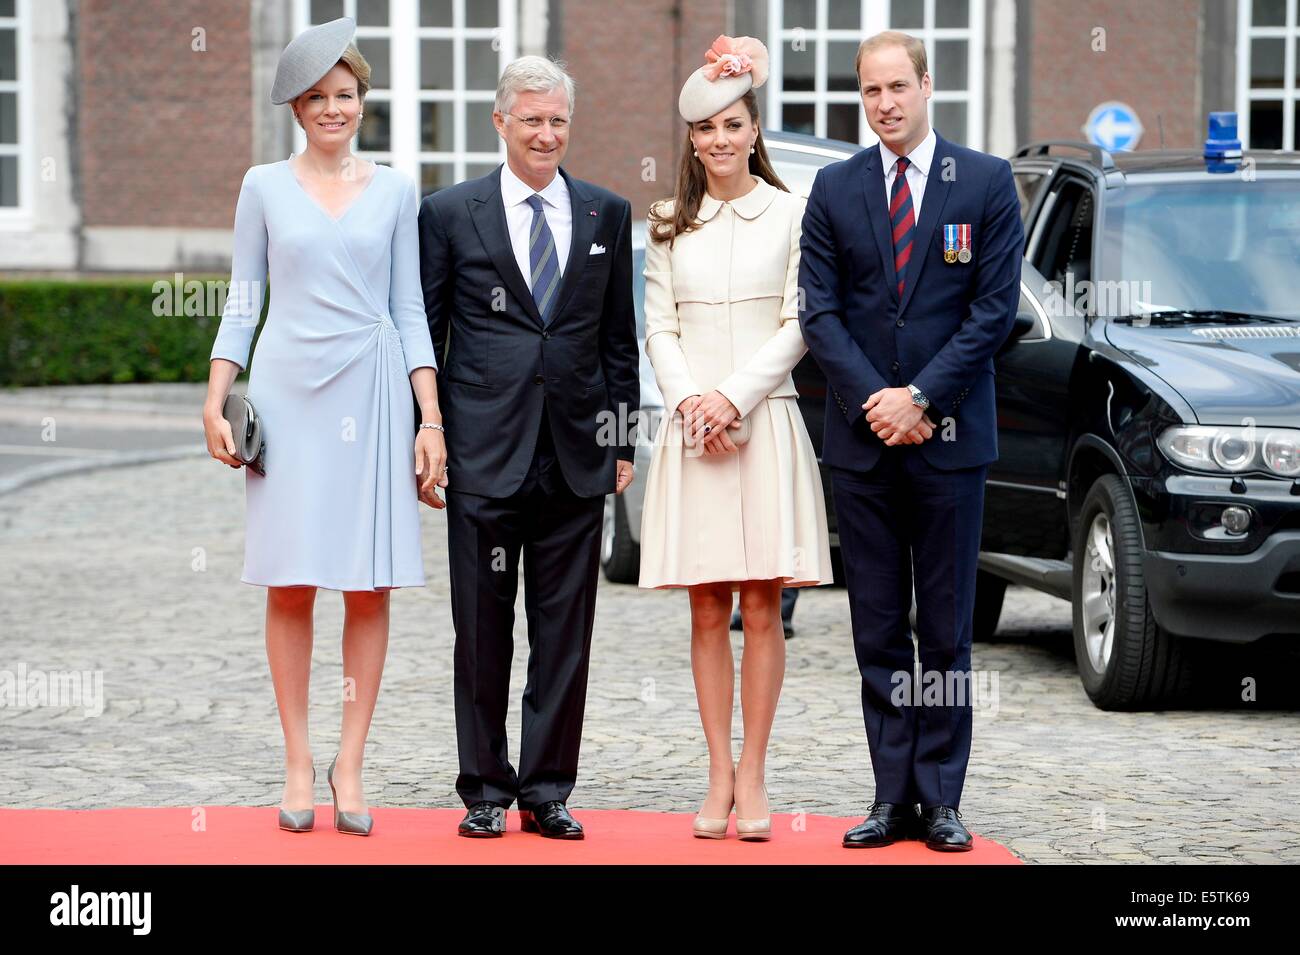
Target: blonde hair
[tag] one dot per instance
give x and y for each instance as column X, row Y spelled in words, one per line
column 355, row 62
column 915, row 51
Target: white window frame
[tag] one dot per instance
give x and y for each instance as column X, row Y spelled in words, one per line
column 404, row 96
column 20, row 215
column 1289, row 33
column 875, row 18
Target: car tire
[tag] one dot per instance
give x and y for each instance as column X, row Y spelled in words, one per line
column 1143, row 666
column 990, row 592
column 620, row 555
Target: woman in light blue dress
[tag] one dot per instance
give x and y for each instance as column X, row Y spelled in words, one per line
column 345, row 341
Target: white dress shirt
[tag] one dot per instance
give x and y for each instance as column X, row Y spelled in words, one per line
column 519, row 217
column 918, row 170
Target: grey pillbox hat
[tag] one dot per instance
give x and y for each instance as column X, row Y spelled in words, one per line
column 309, row 56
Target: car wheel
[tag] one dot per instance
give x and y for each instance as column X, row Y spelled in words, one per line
column 990, row 591
column 1125, row 660
column 620, row 556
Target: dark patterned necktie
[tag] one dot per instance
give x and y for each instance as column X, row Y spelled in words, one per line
column 543, row 260
column 901, row 221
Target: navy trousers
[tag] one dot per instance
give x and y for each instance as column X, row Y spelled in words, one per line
column 906, row 522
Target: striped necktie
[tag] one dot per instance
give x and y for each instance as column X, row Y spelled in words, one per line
column 543, row 260
column 901, row 220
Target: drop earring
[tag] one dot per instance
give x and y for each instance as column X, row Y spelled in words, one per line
column 695, row 153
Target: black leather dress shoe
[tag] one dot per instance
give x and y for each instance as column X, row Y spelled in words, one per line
column 944, row 830
column 886, row 824
column 552, row 820
column 485, row 820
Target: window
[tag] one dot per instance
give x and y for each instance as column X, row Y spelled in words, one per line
column 1267, row 33
column 435, row 65
column 1065, row 248
column 1029, row 183
column 14, row 140
column 813, row 88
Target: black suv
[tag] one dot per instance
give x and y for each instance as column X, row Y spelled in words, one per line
column 1149, row 409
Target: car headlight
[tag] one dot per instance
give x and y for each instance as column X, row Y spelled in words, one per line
column 1233, row 450
column 1282, row 452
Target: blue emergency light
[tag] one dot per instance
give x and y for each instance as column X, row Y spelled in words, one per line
column 1222, row 141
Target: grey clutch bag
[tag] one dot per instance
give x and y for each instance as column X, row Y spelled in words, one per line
column 246, row 429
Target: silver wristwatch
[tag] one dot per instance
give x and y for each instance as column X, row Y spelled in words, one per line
column 918, row 397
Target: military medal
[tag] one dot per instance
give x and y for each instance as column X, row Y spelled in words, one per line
column 950, row 244
column 963, row 240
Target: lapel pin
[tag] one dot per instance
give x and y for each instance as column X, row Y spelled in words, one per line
column 592, row 213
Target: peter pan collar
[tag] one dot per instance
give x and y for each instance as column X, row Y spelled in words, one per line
column 748, row 206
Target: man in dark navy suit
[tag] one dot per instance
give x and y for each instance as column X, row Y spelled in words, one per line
column 910, row 270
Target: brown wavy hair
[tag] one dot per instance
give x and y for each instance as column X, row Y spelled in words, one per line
column 692, row 182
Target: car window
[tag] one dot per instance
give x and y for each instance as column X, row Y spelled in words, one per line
column 1065, row 238
column 1225, row 242
column 638, row 288
column 797, row 169
column 1029, row 183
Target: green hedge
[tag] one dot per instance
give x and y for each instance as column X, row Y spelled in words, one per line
column 102, row 331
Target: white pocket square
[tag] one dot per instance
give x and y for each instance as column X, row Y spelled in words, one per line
column 596, row 249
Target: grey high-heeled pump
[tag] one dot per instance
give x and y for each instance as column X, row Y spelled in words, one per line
column 299, row 820
column 355, row 823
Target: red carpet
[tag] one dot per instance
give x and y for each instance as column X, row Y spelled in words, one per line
column 242, row 835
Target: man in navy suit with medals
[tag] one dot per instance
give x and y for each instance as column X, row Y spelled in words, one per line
column 910, row 272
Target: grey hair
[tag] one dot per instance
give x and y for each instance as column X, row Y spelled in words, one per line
column 531, row 74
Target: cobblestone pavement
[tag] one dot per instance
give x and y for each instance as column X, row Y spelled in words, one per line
column 133, row 572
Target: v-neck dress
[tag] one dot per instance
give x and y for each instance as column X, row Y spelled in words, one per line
column 338, row 507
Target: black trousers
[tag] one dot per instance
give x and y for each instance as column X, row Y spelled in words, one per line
column 900, row 522
column 558, row 535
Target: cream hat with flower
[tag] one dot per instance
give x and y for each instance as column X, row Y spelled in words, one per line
column 735, row 66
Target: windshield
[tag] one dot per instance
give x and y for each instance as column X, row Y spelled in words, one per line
column 1228, row 244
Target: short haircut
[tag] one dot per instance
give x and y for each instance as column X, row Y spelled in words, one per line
column 915, row 51
column 531, row 74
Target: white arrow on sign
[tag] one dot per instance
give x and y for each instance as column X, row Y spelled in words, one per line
column 1111, row 124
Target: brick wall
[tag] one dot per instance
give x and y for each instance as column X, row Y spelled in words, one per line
column 621, row 55
column 165, row 132
column 1151, row 62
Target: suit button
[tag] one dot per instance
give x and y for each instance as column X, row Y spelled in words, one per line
column 538, row 380
column 546, row 336
column 894, row 367
column 899, row 323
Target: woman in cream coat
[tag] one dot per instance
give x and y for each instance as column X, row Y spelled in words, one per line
column 733, row 498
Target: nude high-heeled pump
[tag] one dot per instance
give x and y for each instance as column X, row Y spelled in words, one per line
column 354, row 823
column 705, row 828
column 755, row 830
column 299, row 820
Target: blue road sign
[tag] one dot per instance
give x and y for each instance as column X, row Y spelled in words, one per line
column 1113, row 126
